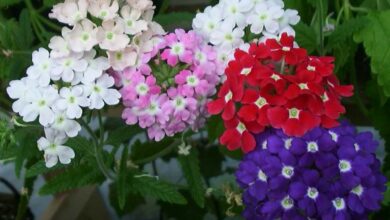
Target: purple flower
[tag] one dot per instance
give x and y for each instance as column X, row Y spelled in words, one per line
column 326, row 174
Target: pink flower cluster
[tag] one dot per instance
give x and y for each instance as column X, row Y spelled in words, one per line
column 168, row 91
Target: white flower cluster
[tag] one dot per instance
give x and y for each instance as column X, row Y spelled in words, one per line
column 226, row 24
column 71, row 76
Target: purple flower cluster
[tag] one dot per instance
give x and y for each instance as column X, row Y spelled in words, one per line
column 326, row 174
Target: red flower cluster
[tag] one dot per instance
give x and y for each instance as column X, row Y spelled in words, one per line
column 276, row 84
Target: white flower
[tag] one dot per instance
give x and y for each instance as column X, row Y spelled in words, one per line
column 39, row 103
column 227, row 35
column 18, row 90
column 83, row 37
column 111, row 36
column 42, row 67
column 99, row 92
column 70, row 12
column 119, row 60
column 235, row 10
column 290, row 17
column 132, row 19
column 141, row 5
column 265, row 16
column 208, row 21
column 63, row 124
column 66, row 67
column 53, row 146
column 72, row 99
column 96, row 66
column 59, row 46
column 103, row 9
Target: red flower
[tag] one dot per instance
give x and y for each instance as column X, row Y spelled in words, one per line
column 256, row 104
column 225, row 102
column 238, row 135
column 242, row 67
column 285, row 49
column 260, row 51
column 293, row 121
column 335, row 87
column 315, row 68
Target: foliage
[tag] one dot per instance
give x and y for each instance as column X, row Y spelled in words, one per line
column 357, row 34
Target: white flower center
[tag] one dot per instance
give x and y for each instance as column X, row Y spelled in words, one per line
column 96, row 89
column 72, row 99
column 229, row 37
column 293, row 113
column 311, row 68
column 286, row 49
column 246, row 71
column 45, row 66
column 262, row 176
column 110, row 36
column 233, row 9
column 180, row 103
column 60, row 120
column 130, row 23
column 275, row 77
column 312, row 193
column 312, row 147
column 200, row 57
column 261, row 102
column 345, row 166
column 192, row 80
column 358, row 190
column 42, row 103
column 288, row 143
column 85, row 36
column 264, row 145
column 177, row 49
column 153, row 108
column 288, row 172
column 241, row 127
column 335, row 137
column 357, row 147
column 142, row 89
column 263, row 16
column 303, row 86
column 228, row 96
column 325, row 97
column 103, row 14
column 287, row 203
column 339, row 204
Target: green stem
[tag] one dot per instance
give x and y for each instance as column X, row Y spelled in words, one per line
column 321, row 26
column 283, row 65
column 347, row 10
column 162, row 153
column 359, row 9
column 25, row 198
column 49, row 23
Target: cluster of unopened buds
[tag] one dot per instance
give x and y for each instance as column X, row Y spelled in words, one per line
column 168, row 92
column 227, row 24
column 73, row 75
column 277, row 84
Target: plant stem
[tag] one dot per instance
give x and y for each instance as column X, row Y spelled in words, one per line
column 347, row 10
column 321, row 26
column 162, row 153
column 49, row 23
column 25, row 198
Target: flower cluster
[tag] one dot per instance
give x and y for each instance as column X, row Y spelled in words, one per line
column 168, row 92
column 276, row 84
column 225, row 24
column 326, row 174
column 71, row 76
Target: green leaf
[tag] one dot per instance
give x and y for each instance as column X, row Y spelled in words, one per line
column 6, row 3
column 81, row 145
column 175, row 20
column 132, row 201
column 191, row 170
column 122, row 175
column 214, row 128
column 122, row 134
column 306, row 37
column 143, row 151
column 346, row 30
column 49, row 3
column 72, row 178
column 150, row 186
column 375, row 38
column 40, row 168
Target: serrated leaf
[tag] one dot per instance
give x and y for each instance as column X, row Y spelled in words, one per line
column 150, row 186
column 191, row 171
column 122, row 175
column 375, row 38
column 306, row 37
column 132, row 201
column 121, row 135
column 40, row 168
column 72, row 178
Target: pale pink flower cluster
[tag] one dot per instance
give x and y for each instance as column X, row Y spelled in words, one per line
column 167, row 93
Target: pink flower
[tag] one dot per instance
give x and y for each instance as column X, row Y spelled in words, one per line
column 192, row 82
column 180, row 47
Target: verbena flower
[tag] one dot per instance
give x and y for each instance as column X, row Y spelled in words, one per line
column 276, row 84
column 167, row 93
column 304, row 178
